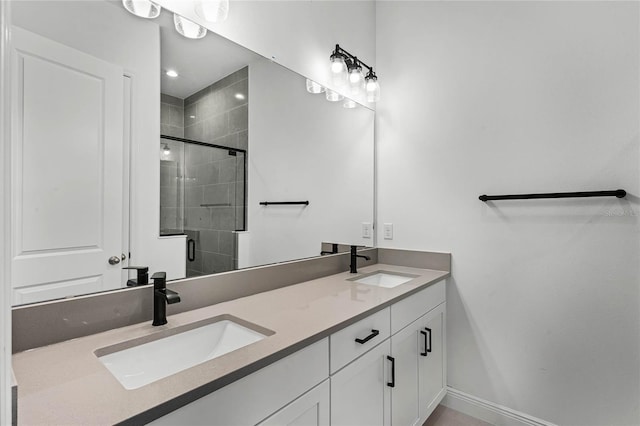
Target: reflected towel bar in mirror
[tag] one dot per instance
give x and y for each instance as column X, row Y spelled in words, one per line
column 283, row 203
column 620, row 193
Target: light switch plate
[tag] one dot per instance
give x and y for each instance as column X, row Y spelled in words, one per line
column 388, row 231
column 366, row 229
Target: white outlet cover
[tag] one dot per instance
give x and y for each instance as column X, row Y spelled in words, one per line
column 366, row 229
column 388, row 231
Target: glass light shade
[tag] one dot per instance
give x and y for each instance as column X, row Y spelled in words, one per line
column 333, row 96
column 373, row 89
column 313, row 87
column 338, row 70
column 213, row 10
column 349, row 103
column 356, row 80
column 188, row 28
column 142, row 8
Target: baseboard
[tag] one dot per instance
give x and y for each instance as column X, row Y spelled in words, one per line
column 490, row 412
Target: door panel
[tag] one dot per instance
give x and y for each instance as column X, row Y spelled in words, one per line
column 404, row 396
column 67, row 169
column 359, row 392
column 431, row 368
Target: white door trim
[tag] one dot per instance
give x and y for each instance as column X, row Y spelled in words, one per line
column 5, row 196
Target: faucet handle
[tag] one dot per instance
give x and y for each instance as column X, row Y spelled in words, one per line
column 159, row 280
column 159, row 276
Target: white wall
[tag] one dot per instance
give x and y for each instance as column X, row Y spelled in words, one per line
column 110, row 33
column 516, row 97
column 302, row 147
column 299, row 34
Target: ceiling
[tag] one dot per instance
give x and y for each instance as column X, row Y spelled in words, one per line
column 199, row 63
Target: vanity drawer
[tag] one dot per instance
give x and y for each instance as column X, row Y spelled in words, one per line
column 410, row 309
column 369, row 331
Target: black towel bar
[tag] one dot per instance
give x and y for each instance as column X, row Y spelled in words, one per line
column 280, row 203
column 620, row 193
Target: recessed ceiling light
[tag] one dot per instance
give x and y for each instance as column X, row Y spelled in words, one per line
column 172, row 73
column 239, row 96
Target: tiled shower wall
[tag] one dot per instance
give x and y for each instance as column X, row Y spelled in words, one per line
column 214, row 179
column 171, row 124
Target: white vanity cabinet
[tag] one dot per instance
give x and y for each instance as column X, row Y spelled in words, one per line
column 257, row 396
column 418, row 351
column 311, row 409
column 400, row 380
column 385, row 369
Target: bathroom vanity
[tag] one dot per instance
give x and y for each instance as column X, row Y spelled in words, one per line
column 376, row 353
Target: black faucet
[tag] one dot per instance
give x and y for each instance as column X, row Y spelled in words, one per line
column 354, row 259
column 334, row 250
column 142, row 276
column 161, row 297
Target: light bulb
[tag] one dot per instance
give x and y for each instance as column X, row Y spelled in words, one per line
column 349, row 103
column 313, row 87
column 172, row 73
column 333, row 96
column 188, row 28
column 373, row 89
column 142, row 8
column 213, row 10
column 355, row 79
column 166, row 150
column 338, row 70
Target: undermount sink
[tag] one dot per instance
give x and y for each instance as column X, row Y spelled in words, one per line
column 384, row 279
column 139, row 362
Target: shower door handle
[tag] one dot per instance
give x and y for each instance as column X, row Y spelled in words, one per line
column 191, row 250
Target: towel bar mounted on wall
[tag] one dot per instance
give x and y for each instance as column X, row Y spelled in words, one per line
column 620, row 193
column 283, row 203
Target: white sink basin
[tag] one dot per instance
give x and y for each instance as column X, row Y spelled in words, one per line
column 384, row 279
column 144, row 362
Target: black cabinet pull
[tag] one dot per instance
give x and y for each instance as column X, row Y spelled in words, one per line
column 426, row 346
column 191, row 249
column 392, row 383
column 373, row 334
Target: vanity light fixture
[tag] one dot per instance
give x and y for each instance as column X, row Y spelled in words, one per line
column 188, row 28
column 142, row 8
column 213, row 10
column 166, row 150
column 333, row 96
column 349, row 103
column 347, row 67
column 172, row 73
column 313, row 87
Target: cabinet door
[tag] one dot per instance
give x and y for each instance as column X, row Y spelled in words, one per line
column 311, row 409
column 359, row 392
column 405, row 409
column 431, row 368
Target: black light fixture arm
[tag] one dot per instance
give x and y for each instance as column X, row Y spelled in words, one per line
column 340, row 51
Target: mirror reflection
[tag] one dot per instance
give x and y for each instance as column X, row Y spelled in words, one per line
column 223, row 159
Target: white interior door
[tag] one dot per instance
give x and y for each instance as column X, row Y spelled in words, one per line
column 67, row 188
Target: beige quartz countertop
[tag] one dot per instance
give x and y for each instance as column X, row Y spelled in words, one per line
column 65, row 383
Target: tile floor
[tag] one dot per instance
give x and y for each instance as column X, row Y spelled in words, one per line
column 443, row 416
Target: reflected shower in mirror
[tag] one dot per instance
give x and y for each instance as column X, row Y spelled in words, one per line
column 184, row 168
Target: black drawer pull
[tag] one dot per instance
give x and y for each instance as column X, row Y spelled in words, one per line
column 426, row 346
column 392, row 383
column 373, row 334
